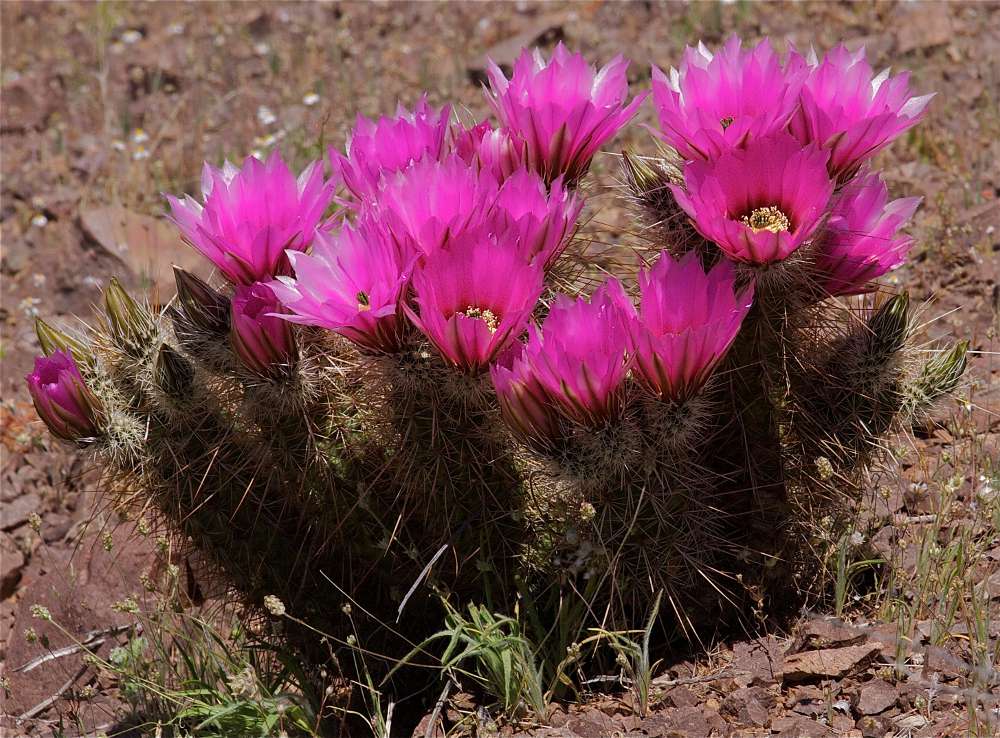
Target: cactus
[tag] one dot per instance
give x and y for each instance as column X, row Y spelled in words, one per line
column 414, row 400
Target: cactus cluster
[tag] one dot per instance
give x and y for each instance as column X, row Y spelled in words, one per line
column 388, row 386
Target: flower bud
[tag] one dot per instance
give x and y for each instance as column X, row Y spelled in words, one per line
column 889, row 326
column 172, row 372
column 61, row 397
column 52, row 340
column 131, row 324
column 204, row 307
column 263, row 341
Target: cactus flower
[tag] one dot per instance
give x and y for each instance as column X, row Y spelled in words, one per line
column 562, row 109
column 759, row 203
column 540, row 220
column 350, row 283
column 263, row 341
column 61, row 397
column 524, row 404
column 580, row 355
column 432, row 203
column 852, row 113
column 687, row 320
column 473, row 299
column 250, row 216
column 715, row 102
column 390, row 145
column 495, row 150
column 862, row 240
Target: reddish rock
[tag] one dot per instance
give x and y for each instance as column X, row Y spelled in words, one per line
column 828, row 663
column 877, row 696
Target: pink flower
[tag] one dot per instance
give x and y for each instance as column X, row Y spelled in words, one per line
column 861, row 242
column 540, row 221
column 432, row 202
column 580, row 355
column 524, row 404
column 759, row 203
column 61, row 397
column 351, row 283
column 853, row 114
column 250, row 216
column 563, row 110
column 716, row 102
column 490, row 149
column 687, row 320
column 263, row 341
column 473, row 299
column 390, row 145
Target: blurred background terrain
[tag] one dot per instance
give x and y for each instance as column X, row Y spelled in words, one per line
column 107, row 105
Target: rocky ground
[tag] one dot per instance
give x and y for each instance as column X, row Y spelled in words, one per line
column 106, row 106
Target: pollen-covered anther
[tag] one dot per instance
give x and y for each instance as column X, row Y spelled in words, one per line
column 484, row 314
column 769, row 218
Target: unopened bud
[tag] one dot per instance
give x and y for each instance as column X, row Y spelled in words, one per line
column 52, row 340
column 172, row 372
column 131, row 324
column 204, row 307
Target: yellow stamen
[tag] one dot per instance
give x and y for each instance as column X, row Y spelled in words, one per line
column 767, row 219
column 484, row 314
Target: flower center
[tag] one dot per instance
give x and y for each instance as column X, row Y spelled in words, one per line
column 484, row 314
column 768, row 218
column 363, row 302
column 726, row 122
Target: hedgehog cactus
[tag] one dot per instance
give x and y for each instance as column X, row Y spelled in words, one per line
column 399, row 393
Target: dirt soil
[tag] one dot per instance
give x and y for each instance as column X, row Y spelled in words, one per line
column 106, row 106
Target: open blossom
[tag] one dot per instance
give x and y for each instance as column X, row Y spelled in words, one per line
column 263, row 341
column 61, row 397
column 563, row 110
column 524, row 404
column 540, row 220
column 716, row 102
column 759, row 203
column 851, row 112
column 862, row 240
column 432, row 203
column 351, row 283
column 580, row 356
column 250, row 216
column 390, row 145
column 687, row 320
column 473, row 299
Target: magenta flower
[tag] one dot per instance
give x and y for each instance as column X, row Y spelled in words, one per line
column 432, row 203
column 861, row 241
column 351, row 283
column 473, row 299
column 524, row 404
column 263, row 341
column 847, row 110
column 540, row 220
column 687, row 320
column 759, row 203
column 716, row 102
column 490, row 149
column 61, row 397
column 250, row 216
column 563, row 110
column 580, row 355
column 390, row 145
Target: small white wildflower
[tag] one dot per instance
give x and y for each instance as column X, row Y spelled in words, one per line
column 38, row 279
column 175, row 29
column 220, row 40
column 29, row 306
column 857, row 538
column 311, row 99
column 266, row 116
column 41, row 612
column 274, row 605
column 118, row 145
column 139, row 136
column 131, row 36
column 261, row 49
column 352, row 640
column 140, row 153
column 257, row 154
column 40, row 221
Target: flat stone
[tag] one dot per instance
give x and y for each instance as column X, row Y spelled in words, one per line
column 828, row 663
column 877, row 696
column 12, row 563
column 15, row 513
